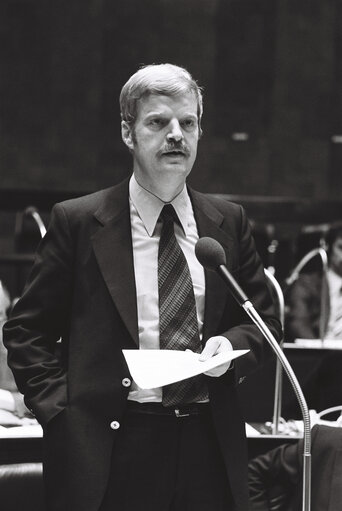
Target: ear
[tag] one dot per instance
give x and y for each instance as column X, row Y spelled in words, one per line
column 126, row 133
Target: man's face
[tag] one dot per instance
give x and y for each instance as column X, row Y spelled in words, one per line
column 336, row 256
column 165, row 137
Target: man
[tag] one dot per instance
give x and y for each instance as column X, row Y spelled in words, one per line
column 110, row 274
column 306, row 310
column 275, row 478
column 312, row 312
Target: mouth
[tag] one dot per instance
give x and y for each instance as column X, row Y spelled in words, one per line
column 174, row 153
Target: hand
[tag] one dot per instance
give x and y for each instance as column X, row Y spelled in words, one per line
column 214, row 345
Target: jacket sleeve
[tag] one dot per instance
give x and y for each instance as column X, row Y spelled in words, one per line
column 273, row 476
column 39, row 320
column 251, row 277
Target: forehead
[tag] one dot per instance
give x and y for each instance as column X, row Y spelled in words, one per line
column 181, row 104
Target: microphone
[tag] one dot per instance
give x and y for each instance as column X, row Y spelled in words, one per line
column 212, row 257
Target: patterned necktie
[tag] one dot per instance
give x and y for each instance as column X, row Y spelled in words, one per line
column 177, row 311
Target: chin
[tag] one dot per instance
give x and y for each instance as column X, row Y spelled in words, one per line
column 175, row 167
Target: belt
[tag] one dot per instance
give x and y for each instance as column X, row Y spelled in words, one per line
column 176, row 411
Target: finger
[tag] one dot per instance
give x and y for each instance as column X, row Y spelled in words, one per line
column 210, row 349
column 218, row 371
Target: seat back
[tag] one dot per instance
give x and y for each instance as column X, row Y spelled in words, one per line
column 21, row 487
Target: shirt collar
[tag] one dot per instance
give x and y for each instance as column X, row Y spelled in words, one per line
column 149, row 206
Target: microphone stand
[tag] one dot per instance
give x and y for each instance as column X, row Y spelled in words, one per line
column 278, row 386
column 242, row 299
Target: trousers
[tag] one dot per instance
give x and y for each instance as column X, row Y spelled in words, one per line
column 167, row 463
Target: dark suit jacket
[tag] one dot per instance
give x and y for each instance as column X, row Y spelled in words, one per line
column 82, row 290
column 306, row 309
column 275, row 478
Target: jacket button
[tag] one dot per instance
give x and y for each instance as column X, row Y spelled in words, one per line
column 126, row 382
column 242, row 379
column 115, row 425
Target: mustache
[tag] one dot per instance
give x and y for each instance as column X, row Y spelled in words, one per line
column 174, row 146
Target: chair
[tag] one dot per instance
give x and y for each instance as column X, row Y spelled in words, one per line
column 21, row 487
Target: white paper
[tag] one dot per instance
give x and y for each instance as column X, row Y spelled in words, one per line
column 156, row 368
column 25, row 431
column 319, row 344
column 251, row 432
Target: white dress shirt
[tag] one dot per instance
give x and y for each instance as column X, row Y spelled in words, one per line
column 334, row 329
column 145, row 209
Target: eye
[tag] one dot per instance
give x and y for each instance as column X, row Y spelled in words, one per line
column 157, row 122
column 189, row 124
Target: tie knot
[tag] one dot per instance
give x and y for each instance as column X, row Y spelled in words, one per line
column 168, row 214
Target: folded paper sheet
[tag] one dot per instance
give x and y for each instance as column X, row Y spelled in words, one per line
column 155, row 368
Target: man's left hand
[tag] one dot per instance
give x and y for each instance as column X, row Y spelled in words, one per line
column 215, row 345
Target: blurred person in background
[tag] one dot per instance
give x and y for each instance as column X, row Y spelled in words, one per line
column 305, row 306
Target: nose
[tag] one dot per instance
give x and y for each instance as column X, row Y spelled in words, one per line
column 175, row 133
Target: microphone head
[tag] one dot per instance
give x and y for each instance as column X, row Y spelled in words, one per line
column 210, row 253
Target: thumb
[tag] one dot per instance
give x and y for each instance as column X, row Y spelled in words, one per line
column 209, row 350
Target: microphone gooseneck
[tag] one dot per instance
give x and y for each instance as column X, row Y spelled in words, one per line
column 212, row 256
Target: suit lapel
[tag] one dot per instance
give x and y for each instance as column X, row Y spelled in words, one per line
column 113, row 250
column 209, row 221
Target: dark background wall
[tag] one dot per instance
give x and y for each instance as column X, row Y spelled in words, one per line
column 271, row 71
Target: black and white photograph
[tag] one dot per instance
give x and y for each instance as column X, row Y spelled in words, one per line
column 171, row 255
